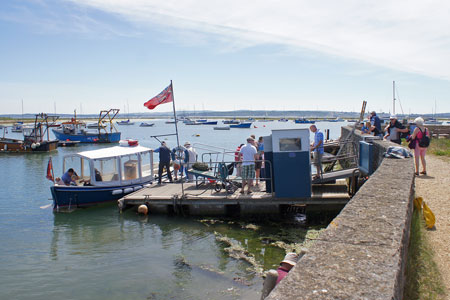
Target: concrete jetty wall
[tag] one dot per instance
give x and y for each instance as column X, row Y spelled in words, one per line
column 362, row 253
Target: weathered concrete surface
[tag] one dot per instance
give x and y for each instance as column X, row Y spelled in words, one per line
column 362, row 253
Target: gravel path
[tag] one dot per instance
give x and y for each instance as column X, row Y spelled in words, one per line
column 435, row 190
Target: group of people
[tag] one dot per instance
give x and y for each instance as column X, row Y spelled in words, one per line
column 393, row 132
column 183, row 158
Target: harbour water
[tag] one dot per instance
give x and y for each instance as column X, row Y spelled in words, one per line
column 99, row 253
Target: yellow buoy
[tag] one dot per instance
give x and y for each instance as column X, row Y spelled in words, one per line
column 143, row 209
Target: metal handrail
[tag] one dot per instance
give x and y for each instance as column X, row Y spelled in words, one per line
column 216, row 163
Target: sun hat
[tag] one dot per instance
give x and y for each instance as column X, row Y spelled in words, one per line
column 187, row 144
column 290, row 258
column 393, row 117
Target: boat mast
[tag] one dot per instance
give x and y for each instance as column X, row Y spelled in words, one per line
column 393, row 93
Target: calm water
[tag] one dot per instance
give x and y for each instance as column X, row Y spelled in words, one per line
column 100, row 254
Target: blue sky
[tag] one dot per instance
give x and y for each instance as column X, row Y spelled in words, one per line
column 223, row 55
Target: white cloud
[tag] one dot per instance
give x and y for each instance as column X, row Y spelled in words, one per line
column 410, row 36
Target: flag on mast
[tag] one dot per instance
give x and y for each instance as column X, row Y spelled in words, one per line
column 50, row 169
column 165, row 96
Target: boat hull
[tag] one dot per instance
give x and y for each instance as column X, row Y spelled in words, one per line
column 304, row 122
column 71, row 197
column 242, row 125
column 11, row 145
column 87, row 137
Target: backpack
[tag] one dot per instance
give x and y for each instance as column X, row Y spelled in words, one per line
column 424, row 142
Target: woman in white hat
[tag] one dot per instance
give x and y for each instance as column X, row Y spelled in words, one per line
column 419, row 151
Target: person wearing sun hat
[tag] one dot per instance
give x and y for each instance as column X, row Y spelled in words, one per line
column 289, row 261
column 191, row 159
column 393, row 130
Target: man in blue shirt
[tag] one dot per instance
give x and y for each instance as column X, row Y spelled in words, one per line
column 164, row 161
column 376, row 124
column 317, row 148
column 68, row 177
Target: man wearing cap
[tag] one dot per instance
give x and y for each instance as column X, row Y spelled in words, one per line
column 286, row 265
column 247, row 155
column 393, row 130
column 164, row 161
column 191, row 159
column 375, row 124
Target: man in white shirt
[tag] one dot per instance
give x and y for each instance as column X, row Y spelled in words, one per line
column 248, row 154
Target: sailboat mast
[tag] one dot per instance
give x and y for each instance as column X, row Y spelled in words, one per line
column 393, row 95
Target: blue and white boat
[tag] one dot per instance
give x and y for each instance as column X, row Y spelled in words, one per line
column 241, row 125
column 304, row 121
column 125, row 122
column 233, row 121
column 145, row 124
column 104, row 175
column 209, row 123
column 75, row 130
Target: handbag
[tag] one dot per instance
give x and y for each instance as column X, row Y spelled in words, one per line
column 412, row 143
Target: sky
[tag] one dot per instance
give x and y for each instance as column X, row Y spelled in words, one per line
column 88, row 55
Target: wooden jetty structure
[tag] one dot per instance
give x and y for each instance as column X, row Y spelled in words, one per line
column 288, row 183
column 169, row 199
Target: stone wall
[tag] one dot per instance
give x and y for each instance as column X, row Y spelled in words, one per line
column 362, row 253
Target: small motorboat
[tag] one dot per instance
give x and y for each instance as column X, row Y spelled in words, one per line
column 221, row 127
column 145, row 124
column 233, row 121
column 103, row 176
column 125, row 122
column 303, row 121
column 241, row 125
column 209, row 123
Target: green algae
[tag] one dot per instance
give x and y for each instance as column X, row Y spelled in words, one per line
column 261, row 244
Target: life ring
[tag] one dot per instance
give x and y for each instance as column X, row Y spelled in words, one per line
column 179, row 154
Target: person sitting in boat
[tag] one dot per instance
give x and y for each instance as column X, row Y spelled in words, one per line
column 98, row 175
column 70, row 177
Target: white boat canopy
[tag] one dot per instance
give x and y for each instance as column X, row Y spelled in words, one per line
column 113, row 152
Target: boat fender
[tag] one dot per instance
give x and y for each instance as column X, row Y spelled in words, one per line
column 147, row 185
column 138, row 187
column 117, row 192
column 33, row 146
column 143, row 209
column 127, row 190
column 38, row 144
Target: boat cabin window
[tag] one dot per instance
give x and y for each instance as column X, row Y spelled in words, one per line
column 106, row 169
column 130, row 167
column 290, row 144
column 79, row 165
column 146, row 164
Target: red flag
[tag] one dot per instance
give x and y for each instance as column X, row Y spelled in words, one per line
column 165, row 96
column 50, row 169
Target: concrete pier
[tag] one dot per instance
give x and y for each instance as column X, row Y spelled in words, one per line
column 362, row 253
